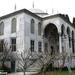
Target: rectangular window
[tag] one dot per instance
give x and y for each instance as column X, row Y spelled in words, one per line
column 1, row 45
column 13, row 43
column 46, row 47
column 32, row 45
column 39, row 46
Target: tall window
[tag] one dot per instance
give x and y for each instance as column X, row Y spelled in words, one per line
column 39, row 28
column 46, row 47
column 13, row 43
column 32, row 26
column 32, row 45
column 1, row 28
column 68, row 33
column 73, row 41
column 1, row 45
column 62, row 31
column 13, row 25
column 39, row 46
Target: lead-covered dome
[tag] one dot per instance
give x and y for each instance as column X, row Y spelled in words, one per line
column 38, row 12
column 34, row 10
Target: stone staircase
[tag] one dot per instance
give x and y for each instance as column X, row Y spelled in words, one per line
column 43, row 61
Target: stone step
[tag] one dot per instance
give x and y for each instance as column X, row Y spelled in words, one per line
column 21, row 73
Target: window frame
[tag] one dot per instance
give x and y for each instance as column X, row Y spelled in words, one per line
column 13, row 25
column 32, row 27
column 1, row 45
column 13, row 45
column 32, row 45
column 39, row 46
column 2, row 28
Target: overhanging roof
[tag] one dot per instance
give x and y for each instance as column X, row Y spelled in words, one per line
column 34, row 15
column 18, row 12
column 58, row 15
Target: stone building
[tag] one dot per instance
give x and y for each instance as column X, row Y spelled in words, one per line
column 35, row 30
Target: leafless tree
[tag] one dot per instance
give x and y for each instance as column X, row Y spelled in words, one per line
column 48, row 58
column 5, row 53
column 24, row 60
column 44, row 61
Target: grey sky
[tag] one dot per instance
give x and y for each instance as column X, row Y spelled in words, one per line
column 62, row 6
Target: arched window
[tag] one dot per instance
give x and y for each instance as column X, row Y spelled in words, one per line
column 32, row 26
column 1, row 28
column 39, row 28
column 68, row 33
column 13, row 25
column 73, row 41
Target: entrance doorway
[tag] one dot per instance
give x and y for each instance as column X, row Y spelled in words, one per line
column 12, row 66
column 51, row 36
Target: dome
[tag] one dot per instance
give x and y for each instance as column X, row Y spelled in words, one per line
column 34, row 10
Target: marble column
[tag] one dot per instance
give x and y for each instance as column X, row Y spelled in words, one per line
column 60, row 44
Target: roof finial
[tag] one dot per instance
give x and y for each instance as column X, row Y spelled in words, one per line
column 33, row 5
column 15, row 7
column 57, row 12
column 52, row 10
column 46, row 10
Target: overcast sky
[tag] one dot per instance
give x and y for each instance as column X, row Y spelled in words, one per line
column 60, row 6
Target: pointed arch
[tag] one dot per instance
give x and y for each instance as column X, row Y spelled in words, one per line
column 51, row 36
column 50, row 29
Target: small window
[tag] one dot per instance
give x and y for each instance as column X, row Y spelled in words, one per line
column 39, row 46
column 13, row 25
column 1, row 28
column 32, row 26
column 32, row 45
column 39, row 29
column 13, row 43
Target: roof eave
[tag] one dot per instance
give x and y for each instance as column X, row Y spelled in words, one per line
column 58, row 15
column 18, row 12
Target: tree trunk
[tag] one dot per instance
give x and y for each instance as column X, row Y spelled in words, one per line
column 24, row 72
column 2, row 67
column 44, row 73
